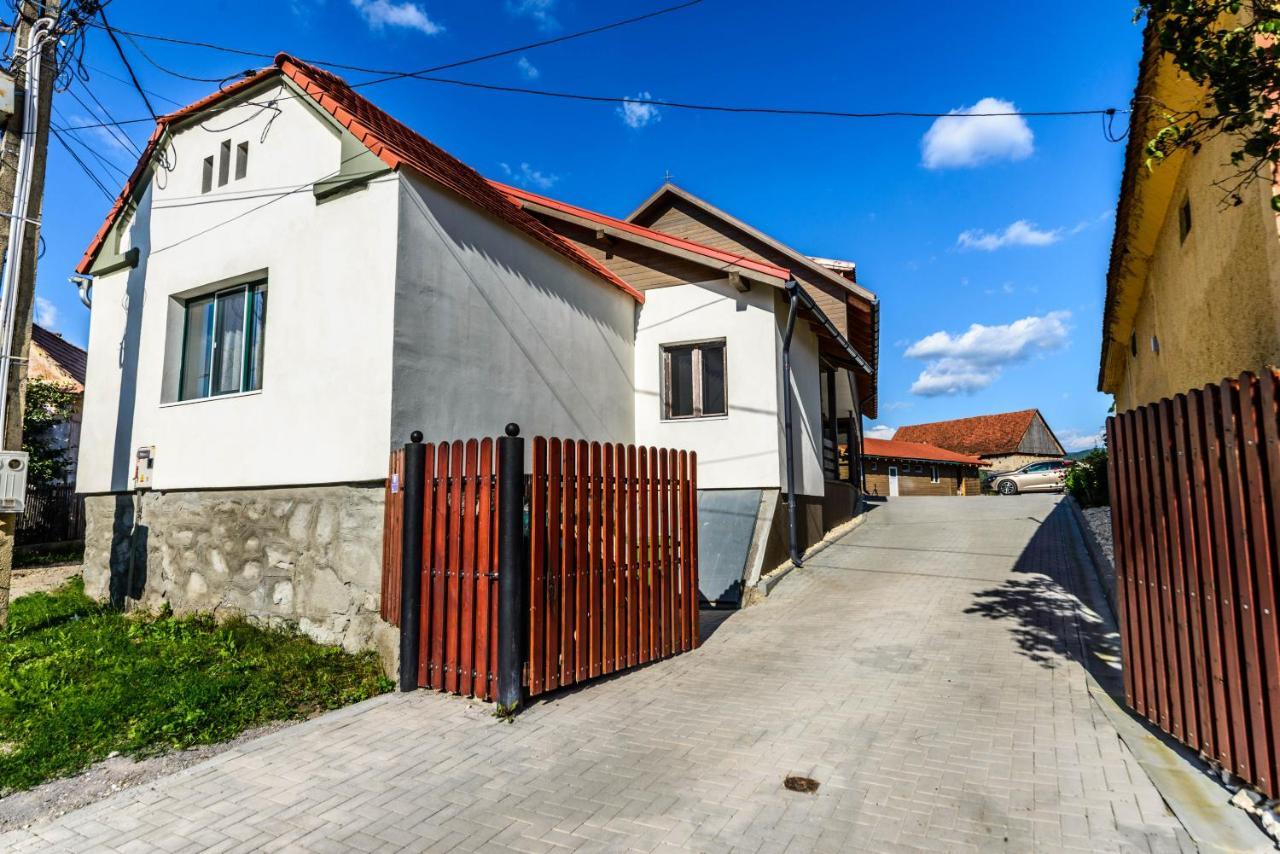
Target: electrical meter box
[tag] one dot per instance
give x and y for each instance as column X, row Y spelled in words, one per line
column 143, row 464
column 13, row 481
column 6, row 95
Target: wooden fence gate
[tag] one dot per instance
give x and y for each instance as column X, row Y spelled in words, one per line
column 1195, row 503
column 607, row 576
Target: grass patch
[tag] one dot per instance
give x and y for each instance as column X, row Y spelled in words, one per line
column 79, row 681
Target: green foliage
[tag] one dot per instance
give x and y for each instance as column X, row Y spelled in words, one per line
column 79, row 681
column 1230, row 48
column 48, row 404
column 1087, row 480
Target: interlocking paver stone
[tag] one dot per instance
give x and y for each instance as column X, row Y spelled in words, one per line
column 926, row 670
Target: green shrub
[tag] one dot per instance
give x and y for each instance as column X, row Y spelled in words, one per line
column 1087, row 480
column 79, row 681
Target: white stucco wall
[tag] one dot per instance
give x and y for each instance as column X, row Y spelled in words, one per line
column 738, row 450
column 492, row 326
column 323, row 410
column 806, row 386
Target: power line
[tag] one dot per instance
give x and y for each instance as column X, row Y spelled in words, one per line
column 120, row 79
column 397, row 74
column 83, row 166
column 93, row 152
column 114, row 133
column 127, row 67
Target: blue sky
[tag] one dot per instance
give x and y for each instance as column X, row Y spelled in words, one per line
column 986, row 239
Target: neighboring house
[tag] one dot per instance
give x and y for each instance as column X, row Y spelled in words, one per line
column 1005, row 441
column 55, row 360
column 708, row 367
column 321, row 281
column 1193, row 289
column 910, row 468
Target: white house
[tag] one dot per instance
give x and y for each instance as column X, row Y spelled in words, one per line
column 292, row 281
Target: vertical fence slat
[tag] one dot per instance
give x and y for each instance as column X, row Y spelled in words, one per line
column 453, row 564
column 1117, row 484
column 664, row 558
column 694, row 589
column 568, row 568
column 1206, row 592
column 1194, row 714
column 1223, row 613
column 608, row 574
column 537, row 566
column 1269, row 450
column 554, row 583
column 1131, row 528
column 467, row 567
column 1157, row 701
column 582, row 653
column 484, row 561
column 639, row 554
column 682, row 564
column 1233, row 396
column 393, row 529
column 439, row 554
column 620, row 548
column 1175, row 638
column 426, row 605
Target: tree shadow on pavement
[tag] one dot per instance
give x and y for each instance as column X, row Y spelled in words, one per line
column 1054, row 614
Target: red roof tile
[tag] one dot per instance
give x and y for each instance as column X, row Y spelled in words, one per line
column 981, row 434
column 720, row 256
column 894, row 449
column 394, row 143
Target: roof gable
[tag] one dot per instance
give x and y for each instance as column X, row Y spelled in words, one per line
column 61, row 362
column 391, row 141
column 982, row 435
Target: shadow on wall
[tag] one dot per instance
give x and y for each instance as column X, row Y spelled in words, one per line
column 129, row 351
column 128, row 557
column 1050, row 621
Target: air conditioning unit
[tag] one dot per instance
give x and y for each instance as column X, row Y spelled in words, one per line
column 13, row 481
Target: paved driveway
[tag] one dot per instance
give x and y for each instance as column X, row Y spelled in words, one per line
column 925, row 670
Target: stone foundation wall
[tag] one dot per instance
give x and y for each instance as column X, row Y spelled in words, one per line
column 306, row 557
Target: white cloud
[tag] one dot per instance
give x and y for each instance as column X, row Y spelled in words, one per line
column 965, row 139
column 380, row 14
column 526, row 176
column 538, row 10
column 46, row 314
column 527, row 68
column 975, row 358
column 1077, row 440
column 636, row 114
column 881, row 431
column 1019, row 233
column 897, row 404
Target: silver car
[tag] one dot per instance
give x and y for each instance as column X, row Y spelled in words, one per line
column 1046, row 476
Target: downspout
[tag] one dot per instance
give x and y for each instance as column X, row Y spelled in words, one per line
column 793, row 523
column 84, row 285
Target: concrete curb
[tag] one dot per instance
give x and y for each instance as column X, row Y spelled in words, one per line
column 1096, row 555
column 769, row 581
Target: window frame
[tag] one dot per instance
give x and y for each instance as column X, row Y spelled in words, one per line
column 664, row 377
column 249, row 289
column 934, row 474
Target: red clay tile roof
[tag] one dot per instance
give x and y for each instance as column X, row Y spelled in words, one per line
column 718, row 255
column 894, row 449
column 981, row 434
column 394, row 143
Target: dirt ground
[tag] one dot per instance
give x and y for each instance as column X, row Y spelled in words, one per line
column 41, row 579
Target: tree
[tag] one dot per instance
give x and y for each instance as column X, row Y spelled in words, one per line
column 48, row 404
column 1231, row 48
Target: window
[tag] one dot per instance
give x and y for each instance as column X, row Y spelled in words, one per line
column 1038, row 467
column 242, row 160
column 206, row 181
column 933, row 474
column 222, row 342
column 875, row 466
column 1184, row 220
column 693, row 380
column 1133, row 344
column 224, row 162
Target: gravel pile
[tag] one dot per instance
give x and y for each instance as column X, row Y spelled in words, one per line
column 1099, row 519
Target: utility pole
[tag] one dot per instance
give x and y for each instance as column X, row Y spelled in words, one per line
column 24, row 292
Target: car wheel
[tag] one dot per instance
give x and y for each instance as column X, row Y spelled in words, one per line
column 1008, row 487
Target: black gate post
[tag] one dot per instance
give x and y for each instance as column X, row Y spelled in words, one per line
column 415, row 457
column 510, row 568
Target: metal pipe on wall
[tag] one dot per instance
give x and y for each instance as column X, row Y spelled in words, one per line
column 793, row 523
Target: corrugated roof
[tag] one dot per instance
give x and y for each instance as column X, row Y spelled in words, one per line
column 980, row 434
column 393, row 142
column 893, row 449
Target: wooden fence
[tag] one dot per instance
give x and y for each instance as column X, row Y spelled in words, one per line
column 610, row 580
column 1195, row 503
column 613, row 568
column 52, row 514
